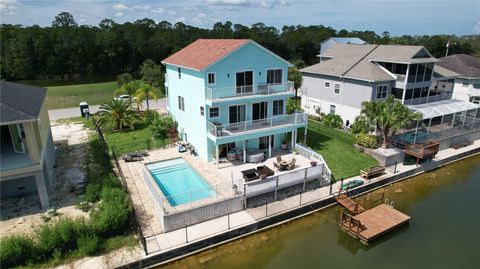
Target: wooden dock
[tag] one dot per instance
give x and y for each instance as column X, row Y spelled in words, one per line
column 373, row 223
column 367, row 225
column 349, row 204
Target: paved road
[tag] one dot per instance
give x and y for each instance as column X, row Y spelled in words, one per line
column 64, row 113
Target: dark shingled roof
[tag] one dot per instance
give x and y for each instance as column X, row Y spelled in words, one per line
column 463, row 64
column 20, row 102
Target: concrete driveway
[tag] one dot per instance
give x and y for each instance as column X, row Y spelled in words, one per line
column 65, row 113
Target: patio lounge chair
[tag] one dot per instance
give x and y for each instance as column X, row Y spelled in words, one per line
column 291, row 165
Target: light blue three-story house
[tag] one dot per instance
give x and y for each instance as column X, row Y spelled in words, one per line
column 230, row 95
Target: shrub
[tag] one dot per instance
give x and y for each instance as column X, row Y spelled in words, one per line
column 150, row 116
column 92, row 191
column 60, row 236
column 162, row 127
column 333, row 121
column 88, row 244
column 367, row 141
column 16, row 250
column 112, row 214
column 293, row 104
column 360, row 125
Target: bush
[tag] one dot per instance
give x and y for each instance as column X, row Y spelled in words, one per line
column 150, row 116
column 333, row 121
column 61, row 236
column 293, row 104
column 88, row 244
column 92, row 191
column 16, row 250
column 163, row 126
column 367, row 141
column 112, row 214
column 360, row 125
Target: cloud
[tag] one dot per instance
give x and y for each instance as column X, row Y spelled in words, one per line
column 157, row 10
column 476, row 29
column 8, row 6
column 181, row 19
column 201, row 15
column 120, row 6
column 119, row 14
column 248, row 3
column 171, row 12
column 142, row 7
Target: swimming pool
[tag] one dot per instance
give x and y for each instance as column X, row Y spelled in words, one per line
column 179, row 182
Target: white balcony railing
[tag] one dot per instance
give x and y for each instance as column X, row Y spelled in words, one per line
column 213, row 93
column 221, row 130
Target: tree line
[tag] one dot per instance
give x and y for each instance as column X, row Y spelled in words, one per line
column 67, row 50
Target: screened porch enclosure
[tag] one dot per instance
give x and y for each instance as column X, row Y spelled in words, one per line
column 441, row 120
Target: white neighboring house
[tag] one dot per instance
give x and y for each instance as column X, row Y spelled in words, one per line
column 332, row 41
column 467, row 80
column 352, row 74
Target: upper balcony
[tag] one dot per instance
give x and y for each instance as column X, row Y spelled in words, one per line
column 218, row 130
column 215, row 95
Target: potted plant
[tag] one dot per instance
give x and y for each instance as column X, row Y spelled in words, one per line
column 262, row 176
column 284, row 144
column 313, row 163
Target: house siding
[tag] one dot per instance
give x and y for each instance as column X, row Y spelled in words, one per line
column 193, row 86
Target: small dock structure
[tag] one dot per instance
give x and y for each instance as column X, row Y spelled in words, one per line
column 367, row 225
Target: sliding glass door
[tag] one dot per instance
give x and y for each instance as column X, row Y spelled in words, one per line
column 236, row 114
column 244, row 82
column 259, row 110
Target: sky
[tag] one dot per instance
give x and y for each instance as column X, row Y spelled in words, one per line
column 399, row 17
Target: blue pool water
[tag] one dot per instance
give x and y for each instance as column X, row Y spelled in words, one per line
column 179, row 182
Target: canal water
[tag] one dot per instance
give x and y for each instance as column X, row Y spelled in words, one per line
column 444, row 232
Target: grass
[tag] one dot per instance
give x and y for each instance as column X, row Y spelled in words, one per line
column 131, row 140
column 72, row 95
column 337, row 148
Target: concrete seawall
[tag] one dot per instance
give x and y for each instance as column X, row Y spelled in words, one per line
column 274, row 220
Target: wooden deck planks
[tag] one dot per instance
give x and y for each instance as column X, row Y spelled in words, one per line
column 349, row 204
column 380, row 220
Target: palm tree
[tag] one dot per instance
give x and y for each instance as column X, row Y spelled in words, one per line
column 119, row 112
column 296, row 76
column 129, row 88
column 388, row 116
column 144, row 92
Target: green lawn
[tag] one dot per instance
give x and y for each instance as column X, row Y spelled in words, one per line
column 337, row 148
column 72, row 95
column 128, row 141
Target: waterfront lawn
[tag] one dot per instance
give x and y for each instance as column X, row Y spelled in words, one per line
column 337, row 148
column 72, row 95
column 132, row 140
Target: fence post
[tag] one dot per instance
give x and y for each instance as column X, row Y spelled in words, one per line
column 395, row 169
column 186, row 234
column 266, row 209
column 228, row 220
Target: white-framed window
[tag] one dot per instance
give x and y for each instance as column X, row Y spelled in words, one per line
column 214, row 112
column 465, row 83
column 274, row 76
column 337, row 88
column 202, row 111
column 179, row 70
column 181, row 103
column 211, row 78
column 475, row 99
column 327, row 84
column 381, row 92
column 332, row 109
column 476, row 85
column 278, row 107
